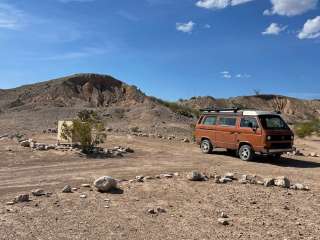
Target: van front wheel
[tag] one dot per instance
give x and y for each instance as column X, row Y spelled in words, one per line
column 246, row 153
column 206, row 146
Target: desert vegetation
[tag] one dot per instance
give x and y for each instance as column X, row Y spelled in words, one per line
column 308, row 128
column 87, row 128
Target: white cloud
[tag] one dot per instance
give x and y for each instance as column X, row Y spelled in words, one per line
column 220, row 4
column 290, row 7
column 228, row 75
column 245, row 75
column 207, row 26
column 10, row 17
column 311, row 29
column 185, row 27
column 274, row 29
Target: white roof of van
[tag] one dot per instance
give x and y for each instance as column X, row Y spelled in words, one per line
column 257, row 113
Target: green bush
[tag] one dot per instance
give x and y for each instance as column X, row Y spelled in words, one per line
column 88, row 129
column 179, row 109
column 308, row 128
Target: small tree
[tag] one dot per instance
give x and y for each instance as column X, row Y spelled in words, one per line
column 88, row 129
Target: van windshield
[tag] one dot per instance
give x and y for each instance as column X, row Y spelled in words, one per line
column 272, row 122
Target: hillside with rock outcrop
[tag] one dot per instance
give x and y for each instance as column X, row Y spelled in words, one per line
column 293, row 109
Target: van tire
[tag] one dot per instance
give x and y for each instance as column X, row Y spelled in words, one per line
column 246, row 153
column 206, row 146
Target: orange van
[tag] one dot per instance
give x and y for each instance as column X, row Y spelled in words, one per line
column 248, row 132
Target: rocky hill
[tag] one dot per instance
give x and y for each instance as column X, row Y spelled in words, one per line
column 293, row 109
column 39, row 106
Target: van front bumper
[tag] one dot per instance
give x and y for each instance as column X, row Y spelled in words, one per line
column 279, row 150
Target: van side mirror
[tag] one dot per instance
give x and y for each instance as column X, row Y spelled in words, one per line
column 254, row 128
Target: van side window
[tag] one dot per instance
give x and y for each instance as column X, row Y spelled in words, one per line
column 210, row 120
column 249, row 123
column 227, row 121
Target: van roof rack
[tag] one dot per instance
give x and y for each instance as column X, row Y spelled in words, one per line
column 234, row 109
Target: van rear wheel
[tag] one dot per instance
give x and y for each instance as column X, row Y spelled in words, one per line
column 206, row 146
column 246, row 153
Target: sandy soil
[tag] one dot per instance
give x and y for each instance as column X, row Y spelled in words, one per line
column 192, row 208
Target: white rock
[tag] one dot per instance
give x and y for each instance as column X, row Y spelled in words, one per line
column 105, row 183
column 282, row 182
column 223, row 221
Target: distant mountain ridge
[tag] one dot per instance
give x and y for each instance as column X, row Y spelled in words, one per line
column 35, row 106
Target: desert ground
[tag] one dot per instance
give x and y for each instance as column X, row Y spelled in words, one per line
column 190, row 209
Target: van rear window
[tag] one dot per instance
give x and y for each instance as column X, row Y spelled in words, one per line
column 210, row 120
column 227, row 121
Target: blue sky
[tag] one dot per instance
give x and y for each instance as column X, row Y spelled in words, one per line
column 168, row 48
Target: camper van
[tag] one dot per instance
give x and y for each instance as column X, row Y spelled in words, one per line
column 248, row 132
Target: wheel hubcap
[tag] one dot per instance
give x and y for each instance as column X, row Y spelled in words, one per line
column 205, row 147
column 245, row 153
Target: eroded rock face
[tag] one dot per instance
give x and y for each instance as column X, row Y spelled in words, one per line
column 105, row 184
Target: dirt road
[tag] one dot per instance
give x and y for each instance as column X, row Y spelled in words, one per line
column 192, row 209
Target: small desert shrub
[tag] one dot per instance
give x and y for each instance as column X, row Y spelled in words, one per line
column 87, row 128
column 179, row 109
column 307, row 128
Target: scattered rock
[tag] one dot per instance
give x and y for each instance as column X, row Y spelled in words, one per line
column 217, row 178
column 313, row 154
column 223, row 215
column 22, row 198
column 10, row 203
column 74, row 189
column 282, row 181
column 83, row 196
column 152, row 211
column 225, row 180
column 197, row 176
column 147, row 178
column 223, row 221
column 161, row 210
column 105, row 184
column 86, row 185
column 230, row 175
column 67, row 189
column 139, row 178
column 299, row 186
column 166, row 175
column 25, row 143
column 38, row 192
column 129, row 150
column 268, row 182
column 243, row 179
column 186, row 140
column 297, row 153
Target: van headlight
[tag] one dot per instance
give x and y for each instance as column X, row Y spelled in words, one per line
column 269, row 138
column 292, row 137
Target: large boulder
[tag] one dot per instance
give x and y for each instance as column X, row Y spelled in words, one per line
column 105, row 184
